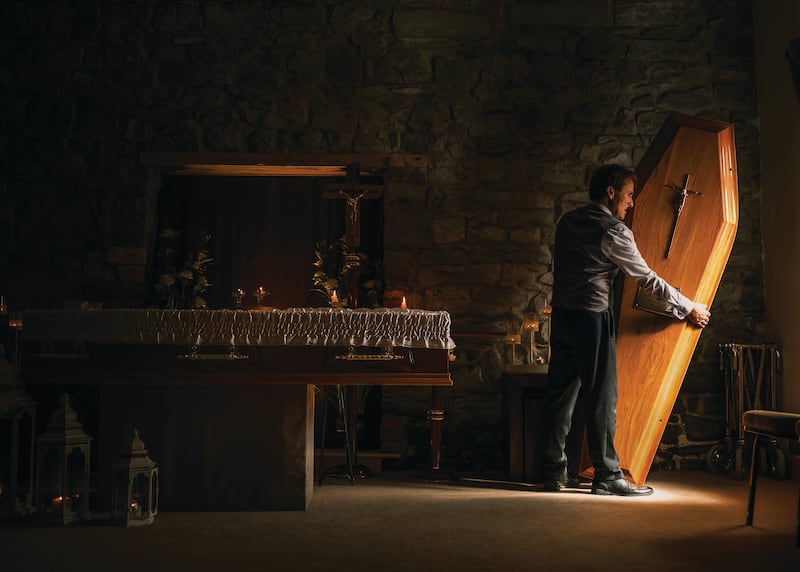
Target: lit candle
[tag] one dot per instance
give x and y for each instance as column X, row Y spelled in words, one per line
column 531, row 323
column 58, row 502
column 334, row 298
column 403, row 303
column 259, row 294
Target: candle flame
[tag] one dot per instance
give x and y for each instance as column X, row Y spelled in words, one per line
column 403, row 303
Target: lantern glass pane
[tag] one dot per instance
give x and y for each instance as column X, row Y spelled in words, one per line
column 76, row 477
column 140, row 496
column 50, row 479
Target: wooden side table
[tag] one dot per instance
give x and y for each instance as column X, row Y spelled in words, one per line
column 523, row 397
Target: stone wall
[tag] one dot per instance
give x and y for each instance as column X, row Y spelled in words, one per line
column 512, row 104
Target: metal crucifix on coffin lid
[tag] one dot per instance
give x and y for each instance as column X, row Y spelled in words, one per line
column 683, row 191
column 353, row 192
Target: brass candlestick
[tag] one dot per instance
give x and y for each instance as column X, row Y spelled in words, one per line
column 531, row 325
column 513, row 338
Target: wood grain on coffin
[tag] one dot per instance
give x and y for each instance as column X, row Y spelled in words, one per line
column 654, row 351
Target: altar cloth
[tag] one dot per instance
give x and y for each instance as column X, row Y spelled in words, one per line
column 395, row 327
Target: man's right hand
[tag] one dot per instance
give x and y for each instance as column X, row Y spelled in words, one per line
column 699, row 316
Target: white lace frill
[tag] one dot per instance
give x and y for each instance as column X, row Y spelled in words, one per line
column 292, row 327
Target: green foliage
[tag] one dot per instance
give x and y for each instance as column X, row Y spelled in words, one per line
column 332, row 264
column 186, row 287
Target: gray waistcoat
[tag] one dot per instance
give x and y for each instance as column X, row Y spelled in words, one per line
column 582, row 277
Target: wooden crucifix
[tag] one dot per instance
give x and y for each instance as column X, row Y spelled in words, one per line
column 683, row 191
column 353, row 192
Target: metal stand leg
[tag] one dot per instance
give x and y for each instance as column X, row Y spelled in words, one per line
column 347, row 444
column 348, row 469
column 751, row 498
column 322, row 438
column 797, row 531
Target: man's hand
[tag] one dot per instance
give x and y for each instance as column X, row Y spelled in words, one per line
column 699, row 315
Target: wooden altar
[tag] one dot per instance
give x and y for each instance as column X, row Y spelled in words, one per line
column 224, row 399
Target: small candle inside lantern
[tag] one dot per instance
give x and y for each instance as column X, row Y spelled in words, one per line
column 15, row 320
column 334, row 298
column 136, row 509
column 59, row 501
column 403, row 304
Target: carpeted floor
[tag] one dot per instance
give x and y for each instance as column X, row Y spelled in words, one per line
column 391, row 522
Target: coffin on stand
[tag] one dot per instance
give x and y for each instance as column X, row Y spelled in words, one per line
column 224, row 400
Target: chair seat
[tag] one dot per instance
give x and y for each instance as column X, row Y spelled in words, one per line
column 775, row 423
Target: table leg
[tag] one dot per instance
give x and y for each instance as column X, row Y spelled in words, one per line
column 436, row 418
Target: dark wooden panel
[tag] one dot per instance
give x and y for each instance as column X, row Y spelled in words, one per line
column 271, row 365
column 218, row 448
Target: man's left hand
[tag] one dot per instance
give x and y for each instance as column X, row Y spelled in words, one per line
column 699, row 316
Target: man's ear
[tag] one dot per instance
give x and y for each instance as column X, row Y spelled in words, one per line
column 610, row 192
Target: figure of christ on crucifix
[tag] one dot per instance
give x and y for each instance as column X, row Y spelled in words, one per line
column 683, row 192
column 353, row 192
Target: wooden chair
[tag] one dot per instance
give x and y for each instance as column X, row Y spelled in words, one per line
column 769, row 425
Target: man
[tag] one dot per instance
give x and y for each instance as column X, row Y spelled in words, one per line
column 591, row 245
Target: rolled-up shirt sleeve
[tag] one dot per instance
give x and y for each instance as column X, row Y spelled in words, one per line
column 619, row 246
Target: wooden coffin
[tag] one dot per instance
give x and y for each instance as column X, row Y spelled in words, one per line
column 225, row 398
column 654, row 350
column 300, row 346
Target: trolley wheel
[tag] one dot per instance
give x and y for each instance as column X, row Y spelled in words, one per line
column 739, row 463
column 778, row 465
column 718, row 460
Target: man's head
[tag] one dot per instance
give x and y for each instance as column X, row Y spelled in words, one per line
column 612, row 185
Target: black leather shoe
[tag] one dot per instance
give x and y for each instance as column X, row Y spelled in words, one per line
column 565, row 482
column 620, row 487
column 551, row 486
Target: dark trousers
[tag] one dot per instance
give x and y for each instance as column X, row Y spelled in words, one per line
column 583, row 357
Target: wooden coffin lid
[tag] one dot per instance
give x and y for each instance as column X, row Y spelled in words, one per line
column 654, row 351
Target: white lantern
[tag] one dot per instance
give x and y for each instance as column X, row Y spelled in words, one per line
column 134, row 499
column 62, row 468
